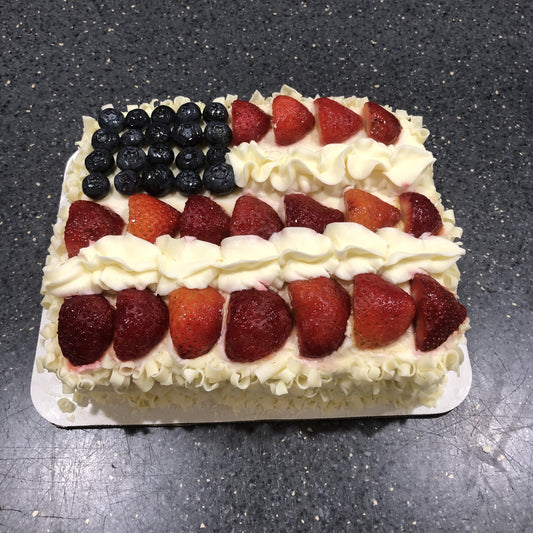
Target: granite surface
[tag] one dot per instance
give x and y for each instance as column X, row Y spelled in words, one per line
column 466, row 68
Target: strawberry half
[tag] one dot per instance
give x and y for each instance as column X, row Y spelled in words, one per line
column 382, row 311
column 249, row 122
column 258, row 324
column 369, row 210
column 336, row 122
column 141, row 322
column 195, row 320
column 252, row 216
column 321, row 311
column 204, row 219
column 438, row 313
column 303, row 211
column 85, row 328
column 87, row 222
column 150, row 218
column 291, row 120
column 380, row 124
column 419, row 214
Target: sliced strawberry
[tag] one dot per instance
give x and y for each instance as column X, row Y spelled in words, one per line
column 85, row 328
column 150, row 218
column 419, row 214
column 141, row 322
column 195, row 320
column 321, row 311
column 303, row 211
column 438, row 313
column 382, row 311
column 369, row 210
column 249, row 122
column 258, row 324
column 291, row 120
column 87, row 222
column 336, row 122
column 204, row 219
column 380, row 124
column 252, row 216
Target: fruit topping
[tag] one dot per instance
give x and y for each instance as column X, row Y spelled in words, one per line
column 369, row 210
column 128, row 182
column 438, row 313
column 258, row 324
column 149, row 217
column 132, row 137
column 217, row 132
column 105, row 140
column 249, row 122
column 110, row 119
column 419, row 214
column 204, row 219
column 158, row 180
column 189, row 182
column 141, row 322
column 99, row 161
column 187, row 134
column 382, row 311
column 216, row 154
column 137, row 118
column 321, row 311
column 131, row 158
column 191, row 158
column 215, row 111
column 157, row 132
column 160, row 154
column 380, row 124
column 163, row 114
column 95, row 186
column 303, row 211
column 195, row 320
column 336, row 123
column 252, row 216
column 85, row 328
column 187, row 113
column 291, row 120
column 219, row 179
column 87, row 222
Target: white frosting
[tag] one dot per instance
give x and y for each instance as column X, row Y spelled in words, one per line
column 396, row 374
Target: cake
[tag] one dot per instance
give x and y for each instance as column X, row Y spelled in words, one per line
column 246, row 253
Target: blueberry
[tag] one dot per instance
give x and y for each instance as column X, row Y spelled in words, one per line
column 164, row 114
column 219, row 179
column 158, row 180
column 191, row 158
column 111, row 120
column 95, row 186
column 131, row 158
column 160, row 153
column 99, row 161
column 185, row 135
column 128, row 182
column 105, row 140
column 216, row 154
column 215, row 111
column 132, row 137
column 137, row 118
column 217, row 132
column 157, row 133
column 188, row 113
column 189, row 182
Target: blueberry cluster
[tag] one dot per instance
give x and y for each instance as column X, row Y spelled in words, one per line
column 144, row 147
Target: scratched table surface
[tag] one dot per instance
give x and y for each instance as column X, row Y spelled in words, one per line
column 467, row 71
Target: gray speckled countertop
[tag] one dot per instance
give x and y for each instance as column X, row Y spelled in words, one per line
column 466, row 68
